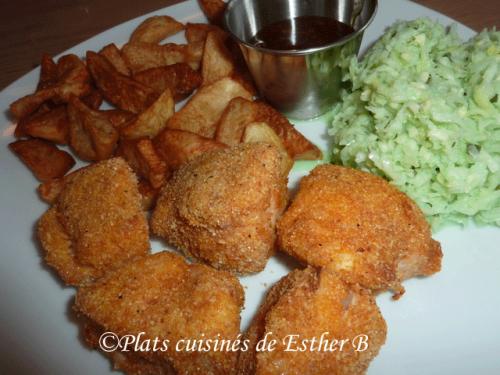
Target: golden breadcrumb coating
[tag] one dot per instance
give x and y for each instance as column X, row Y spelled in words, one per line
column 222, row 207
column 369, row 231
column 166, row 298
column 96, row 223
column 310, row 303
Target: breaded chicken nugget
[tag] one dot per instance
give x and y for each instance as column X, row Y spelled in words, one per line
column 369, row 231
column 166, row 299
column 222, row 206
column 305, row 312
column 96, row 223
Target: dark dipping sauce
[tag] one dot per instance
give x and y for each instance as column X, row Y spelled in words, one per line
column 301, row 33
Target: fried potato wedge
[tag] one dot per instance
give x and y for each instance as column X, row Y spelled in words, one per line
column 177, row 147
column 48, row 72
column 155, row 29
column 298, row 146
column 196, row 34
column 114, row 56
column 120, row 90
column 52, row 125
column 73, row 79
column 260, row 132
column 214, row 10
column 236, row 116
column 94, row 99
column 150, row 122
column 142, row 56
column 119, row 117
column 91, row 134
column 242, row 112
column 144, row 161
column 28, row 104
column 217, row 60
column 203, row 110
column 180, row 78
column 43, row 158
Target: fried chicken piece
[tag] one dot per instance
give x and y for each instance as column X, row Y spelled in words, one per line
column 221, row 207
column 305, row 311
column 168, row 299
column 372, row 233
column 96, row 223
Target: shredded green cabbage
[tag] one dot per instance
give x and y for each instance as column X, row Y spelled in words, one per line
column 424, row 112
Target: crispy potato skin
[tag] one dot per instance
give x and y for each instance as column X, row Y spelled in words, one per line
column 96, row 223
column 221, row 207
column 372, row 233
column 120, row 90
column 180, row 78
column 240, row 112
column 177, row 147
column 203, row 110
column 167, row 298
column 308, row 303
column 155, row 29
column 43, row 158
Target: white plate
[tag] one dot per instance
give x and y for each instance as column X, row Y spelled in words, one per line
column 445, row 324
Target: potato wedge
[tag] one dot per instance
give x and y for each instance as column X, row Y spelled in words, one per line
column 114, row 56
column 118, row 117
column 142, row 157
column 91, row 134
column 43, row 158
column 176, row 147
column 73, row 79
column 214, row 10
column 260, row 132
column 298, row 146
column 217, row 61
column 236, row 116
column 150, row 122
column 52, row 125
column 180, row 78
column 28, row 104
column 142, row 56
column 48, row 72
column 94, row 99
column 203, row 110
column 242, row 112
column 118, row 89
column 155, row 29
column 196, row 34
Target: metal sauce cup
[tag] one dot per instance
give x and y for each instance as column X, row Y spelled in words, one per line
column 300, row 83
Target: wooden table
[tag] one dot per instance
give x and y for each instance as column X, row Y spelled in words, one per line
column 30, row 27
